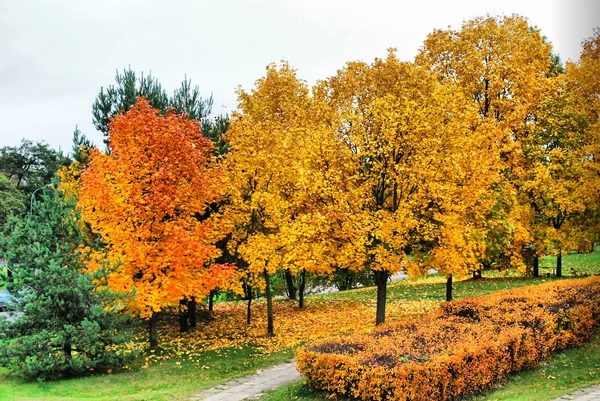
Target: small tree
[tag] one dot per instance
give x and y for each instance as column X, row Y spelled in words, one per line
column 65, row 328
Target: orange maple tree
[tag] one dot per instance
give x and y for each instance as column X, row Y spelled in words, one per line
column 147, row 200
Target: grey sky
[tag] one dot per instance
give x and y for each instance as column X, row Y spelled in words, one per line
column 55, row 55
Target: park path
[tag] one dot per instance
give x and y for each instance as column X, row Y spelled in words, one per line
column 253, row 386
column 586, row 394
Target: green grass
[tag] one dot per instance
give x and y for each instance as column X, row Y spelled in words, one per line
column 564, row 373
column 164, row 381
column 575, row 264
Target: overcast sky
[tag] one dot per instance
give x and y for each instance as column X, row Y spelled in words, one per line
column 55, row 55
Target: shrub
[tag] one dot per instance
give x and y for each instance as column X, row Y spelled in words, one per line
column 466, row 346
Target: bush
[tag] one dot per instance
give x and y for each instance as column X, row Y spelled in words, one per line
column 466, row 346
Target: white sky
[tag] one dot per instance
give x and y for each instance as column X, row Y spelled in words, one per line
column 55, row 55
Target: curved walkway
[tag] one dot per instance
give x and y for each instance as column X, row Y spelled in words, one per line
column 252, row 387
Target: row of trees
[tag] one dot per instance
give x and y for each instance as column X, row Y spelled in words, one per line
column 480, row 153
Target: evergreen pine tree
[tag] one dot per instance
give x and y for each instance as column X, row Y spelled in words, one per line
column 65, row 326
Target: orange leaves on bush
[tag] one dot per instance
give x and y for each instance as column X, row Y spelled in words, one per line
column 146, row 199
column 468, row 345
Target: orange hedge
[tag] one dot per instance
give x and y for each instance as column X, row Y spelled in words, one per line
column 466, row 346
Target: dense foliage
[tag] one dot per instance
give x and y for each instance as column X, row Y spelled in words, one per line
column 65, row 326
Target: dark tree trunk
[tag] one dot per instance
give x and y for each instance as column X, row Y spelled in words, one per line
column 67, row 349
column 381, row 281
column 476, row 274
column 9, row 276
column 270, row 330
column 153, row 330
column 211, row 298
column 449, row 288
column 536, row 266
column 192, row 312
column 183, row 316
column 289, row 280
column 249, row 307
column 301, row 289
column 559, row 263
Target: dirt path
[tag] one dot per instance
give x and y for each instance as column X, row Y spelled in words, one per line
column 251, row 387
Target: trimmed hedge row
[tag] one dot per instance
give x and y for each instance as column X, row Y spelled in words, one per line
column 466, row 346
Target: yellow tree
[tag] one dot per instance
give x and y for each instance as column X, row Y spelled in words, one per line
column 556, row 181
column 146, row 200
column 324, row 234
column 261, row 173
column 406, row 132
column 501, row 64
column 583, row 80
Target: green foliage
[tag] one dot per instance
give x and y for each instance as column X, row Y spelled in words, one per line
column 119, row 99
column 81, row 147
column 186, row 99
column 31, row 165
column 65, row 328
column 12, row 201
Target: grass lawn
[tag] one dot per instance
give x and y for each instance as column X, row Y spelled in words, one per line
column 226, row 348
column 576, row 264
column 164, row 381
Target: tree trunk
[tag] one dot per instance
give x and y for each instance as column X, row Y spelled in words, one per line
column 249, row 310
column 9, row 276
column 211, row 298
column 449, row 288
column 67, row 349
column 192, row 312
column 289, row 280
column 536, row 266
column 301, row 289
column 381, row 281
column 183, row 316
column 270, row 330
column 153, row 330
column 559, row 263
column 476, row 274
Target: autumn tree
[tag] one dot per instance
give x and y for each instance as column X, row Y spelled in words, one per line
column 146, row 200
column 556, row 185
column 583, row 80
column 501, row 64
column 261, row 173
column 404, row 130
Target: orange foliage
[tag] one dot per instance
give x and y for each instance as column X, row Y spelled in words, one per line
column 468, row 345
column 146, row 199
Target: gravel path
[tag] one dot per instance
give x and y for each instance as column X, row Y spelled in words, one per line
column 252, row 387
